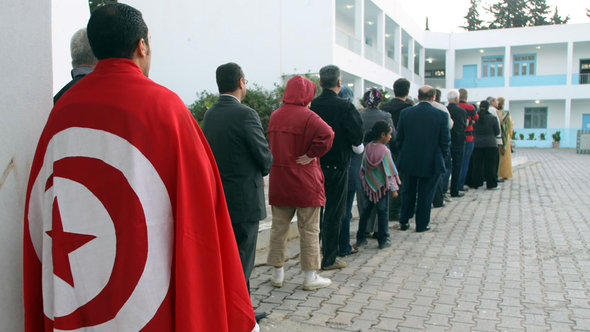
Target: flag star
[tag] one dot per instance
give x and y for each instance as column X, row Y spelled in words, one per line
column 63, row 243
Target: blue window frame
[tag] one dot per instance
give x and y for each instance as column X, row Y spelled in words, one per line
column 525, row 65
column 492, row 66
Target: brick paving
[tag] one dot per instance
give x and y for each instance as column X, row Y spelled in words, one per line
column 514, row 259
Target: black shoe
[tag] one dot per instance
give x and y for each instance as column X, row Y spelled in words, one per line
column 361, row 243
column 458, row 195
column 464, row 189
column 385, row 244
column 423, row 230
column 436, row 206
column 500, row 180
column 259, row 315
column 404, row 226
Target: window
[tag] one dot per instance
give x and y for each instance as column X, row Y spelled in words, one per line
column 525, row 65
column 492, row 66
column 535, row 117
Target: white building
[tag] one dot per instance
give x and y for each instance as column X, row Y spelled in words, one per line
column 541, row 71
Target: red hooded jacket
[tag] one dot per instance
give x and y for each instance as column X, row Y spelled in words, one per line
column 295, row 130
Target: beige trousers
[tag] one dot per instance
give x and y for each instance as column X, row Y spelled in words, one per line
column 308, row 223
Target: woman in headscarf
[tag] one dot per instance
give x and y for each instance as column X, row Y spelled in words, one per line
column 506, row 126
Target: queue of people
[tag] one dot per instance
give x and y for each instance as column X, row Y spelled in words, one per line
column 172, row 209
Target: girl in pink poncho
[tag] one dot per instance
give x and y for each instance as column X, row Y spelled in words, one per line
column 378, row 177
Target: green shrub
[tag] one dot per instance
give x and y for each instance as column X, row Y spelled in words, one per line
column 531, row 136
column 521, row 136
column 514, row 136
column 542, row 136
column 556, row 136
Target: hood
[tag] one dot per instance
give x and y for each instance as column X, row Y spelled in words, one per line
column 299, row 91
column 374, row 154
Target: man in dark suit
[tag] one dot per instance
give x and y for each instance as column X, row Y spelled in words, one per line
column 83, row 60
column 459, row 117
column 401, row 90
column 346, row 122
column 423, row 141
column 243, row 157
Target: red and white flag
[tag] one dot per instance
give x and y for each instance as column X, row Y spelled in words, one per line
column 126, row 226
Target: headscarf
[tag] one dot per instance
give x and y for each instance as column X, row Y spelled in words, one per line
column 346, row 93
column 372, row 97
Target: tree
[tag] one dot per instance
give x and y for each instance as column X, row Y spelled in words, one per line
column 539, row 11
column 472, row 17
column 93, row 4
column 509, row 14
column 556, row 19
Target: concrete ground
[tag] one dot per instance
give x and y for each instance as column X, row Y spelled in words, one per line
column 514, row 259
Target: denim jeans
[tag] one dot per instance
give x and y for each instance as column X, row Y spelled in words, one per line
column 466, row 157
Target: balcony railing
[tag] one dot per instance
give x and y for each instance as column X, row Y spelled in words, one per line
column 538, row 80
column 486, row 82
column 372, row 54
column 348, row 41
column 391, row 64
column 581, row 78
column 439, row 83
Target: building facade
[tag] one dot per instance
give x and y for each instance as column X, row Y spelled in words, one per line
column 541, row 71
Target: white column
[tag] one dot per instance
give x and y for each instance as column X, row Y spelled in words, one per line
column 411, row 50
column 381, row 38
column 422, row 59
column 359, row 26
column 568, row 111
column 569, row 64
column 450, row 69
column 398, row 48
column 507, row 66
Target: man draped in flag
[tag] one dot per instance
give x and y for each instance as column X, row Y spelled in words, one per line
column 126, row 226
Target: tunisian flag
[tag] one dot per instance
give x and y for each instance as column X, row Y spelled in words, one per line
column 126, row 226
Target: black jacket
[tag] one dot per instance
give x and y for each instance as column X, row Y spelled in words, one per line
column 459, row 117
column 485, row 130
column 243, row 157
column 346, row 122
column 423, row 140
column 395, row 107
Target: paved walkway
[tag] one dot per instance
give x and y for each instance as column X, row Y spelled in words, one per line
column 515, row 259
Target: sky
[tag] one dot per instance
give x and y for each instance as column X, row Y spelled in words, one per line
column 447, row 16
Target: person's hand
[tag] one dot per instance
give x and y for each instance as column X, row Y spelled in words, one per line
column 394, row 194
column 304, row 160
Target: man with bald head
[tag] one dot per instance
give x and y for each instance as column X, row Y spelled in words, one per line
column 423, row 142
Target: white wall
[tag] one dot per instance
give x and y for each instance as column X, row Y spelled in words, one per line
column 550, row 58
column 190, row 39
column 555, row 112
column 579, row 107
column 581, row 51
column 26, row 94
column 68, row 16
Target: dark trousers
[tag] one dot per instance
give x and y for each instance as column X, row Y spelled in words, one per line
column 466, row 158
column 484, row 167
column 344, row 246
column 420, row 189
column 395, row 203
column 382, row 219
column 443, row 183
column 246, row 234
column 457, row 164
column 335, row 184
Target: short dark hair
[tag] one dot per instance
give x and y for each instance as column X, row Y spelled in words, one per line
column 462, row 94
column 437, row 94
column 114, row 31
column 484, row 105
column 426, row 93
column 228, row 77
column 329, row 76
column 401, row 87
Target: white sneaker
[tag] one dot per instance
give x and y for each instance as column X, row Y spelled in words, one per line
column 277, row 280
column 318, row 282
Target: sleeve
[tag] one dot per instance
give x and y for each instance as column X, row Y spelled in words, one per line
column 323, row 137
column 393, row 130
column 496, row 127
column 399, row 136
column 444, row 137
column 257, row 143
column 353, row 125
